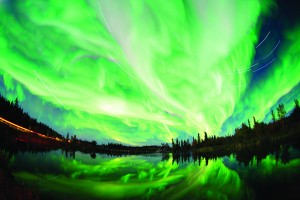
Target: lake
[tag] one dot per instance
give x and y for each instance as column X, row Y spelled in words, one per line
column 157, row 176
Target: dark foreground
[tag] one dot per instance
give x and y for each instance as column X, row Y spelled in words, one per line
column 56, row 175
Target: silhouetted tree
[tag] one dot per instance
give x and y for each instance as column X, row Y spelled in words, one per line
column 205, row 136
column 254, row 122
column 273, row 116
column 296, row 104
column 281, row 111
column 295, row 116
column 173, row 145
column 94, row 143
column 249, row 125
column 194, row 144
column 93, row 155
column 198, row 142
column 16, row 103
column 73, row 139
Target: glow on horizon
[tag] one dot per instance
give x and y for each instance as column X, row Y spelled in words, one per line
column 143, row 72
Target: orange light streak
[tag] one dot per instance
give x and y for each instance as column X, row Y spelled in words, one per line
column 20, row 128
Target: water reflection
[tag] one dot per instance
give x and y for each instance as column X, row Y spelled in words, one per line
column 246, row 157
column 156, row 176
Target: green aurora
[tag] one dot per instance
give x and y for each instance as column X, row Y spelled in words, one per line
column 143, row 72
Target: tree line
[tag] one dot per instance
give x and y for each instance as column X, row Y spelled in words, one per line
column 12, row 111
column 281, row 127
column 11, row 138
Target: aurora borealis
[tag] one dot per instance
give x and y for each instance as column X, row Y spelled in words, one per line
column 143, row 72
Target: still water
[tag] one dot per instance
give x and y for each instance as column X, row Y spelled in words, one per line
column 157, row 176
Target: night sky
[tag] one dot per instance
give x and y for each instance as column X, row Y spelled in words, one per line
column 143, row 72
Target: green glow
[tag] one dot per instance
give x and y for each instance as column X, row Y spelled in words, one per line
column 145, row 177
column 282, row 82
column 128, row 177
column 139, row 72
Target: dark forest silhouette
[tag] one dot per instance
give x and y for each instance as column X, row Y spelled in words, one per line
column 13, row 112
column 247, row 142
column 15, row 140
column 280, row 128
